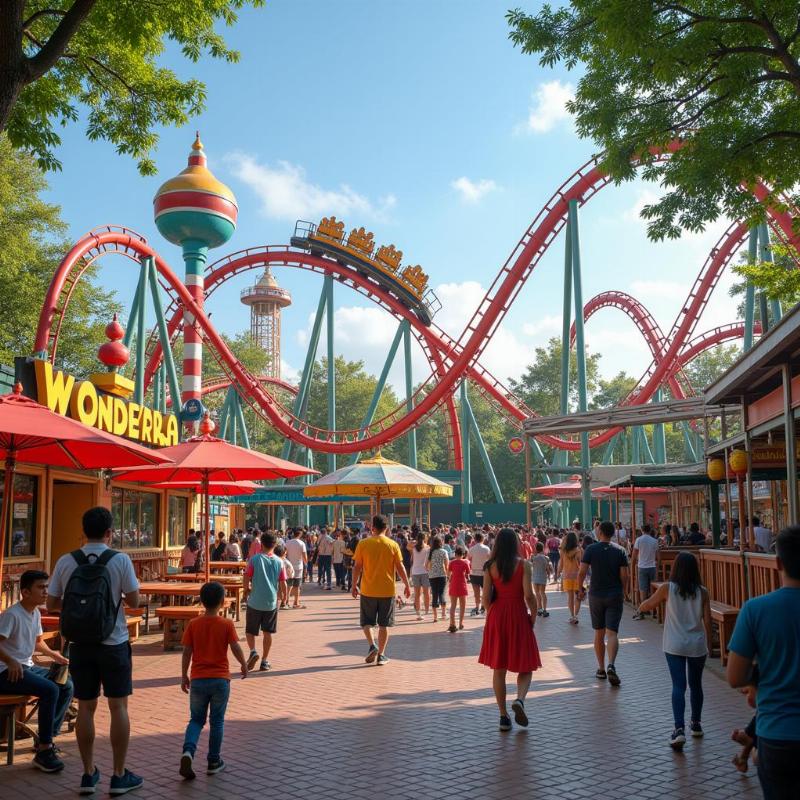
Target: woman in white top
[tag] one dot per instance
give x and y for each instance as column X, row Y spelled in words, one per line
column 419, row 572
column 687, row 633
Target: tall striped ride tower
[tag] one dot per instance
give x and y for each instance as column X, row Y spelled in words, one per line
column 197, row 212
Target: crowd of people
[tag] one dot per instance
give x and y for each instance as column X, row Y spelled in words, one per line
column 504, row 572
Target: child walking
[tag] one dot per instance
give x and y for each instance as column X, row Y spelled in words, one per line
column 569, row 565
column 541, row 567
column 205, row 648
column 458, row 572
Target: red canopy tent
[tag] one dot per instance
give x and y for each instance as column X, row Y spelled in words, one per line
column 36, row 435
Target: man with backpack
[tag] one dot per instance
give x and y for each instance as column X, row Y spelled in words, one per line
column 88, row 586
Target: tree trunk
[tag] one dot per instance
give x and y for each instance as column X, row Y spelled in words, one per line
column 12, row 59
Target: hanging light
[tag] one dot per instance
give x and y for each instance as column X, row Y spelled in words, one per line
column 715, row 469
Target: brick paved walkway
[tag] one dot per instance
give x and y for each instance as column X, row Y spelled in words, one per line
column 324, row 724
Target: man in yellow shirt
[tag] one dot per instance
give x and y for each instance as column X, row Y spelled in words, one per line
column 377, row 560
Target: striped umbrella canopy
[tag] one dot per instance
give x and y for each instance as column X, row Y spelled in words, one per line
column 378, row 477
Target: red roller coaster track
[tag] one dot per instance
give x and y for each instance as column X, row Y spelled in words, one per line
column 450, row 359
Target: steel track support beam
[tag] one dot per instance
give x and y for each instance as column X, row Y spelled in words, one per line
column 412, row 434
column 608, row 453
column 240, row 421
column 766, row 255
column 466, row 473
column 750, row 293
column 688, row 446
column 580, row 357
column 141, row 291
column 380, row 385
column 329, row 316
column 224, row 417
column 482, row 451
column 659, row 435
column 308, row 368
column 168, row 361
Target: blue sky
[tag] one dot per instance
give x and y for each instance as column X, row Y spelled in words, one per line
column 419, row 120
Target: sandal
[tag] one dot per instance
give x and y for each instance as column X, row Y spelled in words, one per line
column 740, row 762
column 601, row 674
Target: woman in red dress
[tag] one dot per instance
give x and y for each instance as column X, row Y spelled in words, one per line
column 509, row 643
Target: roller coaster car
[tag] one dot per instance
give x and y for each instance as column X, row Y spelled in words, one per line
column 408, row 285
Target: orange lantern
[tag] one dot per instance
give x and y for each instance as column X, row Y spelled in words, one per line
column 737, row 461
column 715, row 469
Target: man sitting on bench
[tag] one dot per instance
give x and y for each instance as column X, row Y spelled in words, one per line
column 20, row 638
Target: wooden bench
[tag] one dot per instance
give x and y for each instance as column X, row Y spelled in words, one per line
column 725, row 618
column 174, row 620
column 10, row 706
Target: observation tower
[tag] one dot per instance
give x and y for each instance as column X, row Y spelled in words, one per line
column 266, row 299
column 197, row 212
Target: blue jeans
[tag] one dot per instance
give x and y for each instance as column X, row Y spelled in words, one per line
column 324, row 569
column 54, row 699
column 205, row 693
column 339, row 572
column 778, row 769
column 678, row 668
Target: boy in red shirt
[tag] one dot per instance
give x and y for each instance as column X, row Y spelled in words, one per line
column 205, row 647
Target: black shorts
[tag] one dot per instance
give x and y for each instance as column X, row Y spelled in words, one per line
column 476, row 580
column 292, row 582
column 377, row 611
column 94, row 665
column 257, row 620
column 606, row 612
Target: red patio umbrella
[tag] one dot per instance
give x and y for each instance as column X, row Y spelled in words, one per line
column 210, row 459
column 229, row 488
column 34, row 434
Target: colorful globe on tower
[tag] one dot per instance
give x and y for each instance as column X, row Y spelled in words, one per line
column 194, row 206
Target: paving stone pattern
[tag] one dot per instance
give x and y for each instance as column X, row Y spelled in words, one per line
column 323, row 724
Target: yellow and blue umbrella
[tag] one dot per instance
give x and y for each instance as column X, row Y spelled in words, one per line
column 378, row 477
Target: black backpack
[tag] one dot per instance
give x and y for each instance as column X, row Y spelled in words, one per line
column 88, row 613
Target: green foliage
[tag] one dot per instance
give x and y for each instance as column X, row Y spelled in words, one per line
column 780, row 280
column 724, row 77
column 62, row 58
column 708, row 366
column 32, row 243
column 612, row 392
column 540, row 385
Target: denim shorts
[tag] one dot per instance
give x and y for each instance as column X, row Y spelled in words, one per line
column 646, row 576
column 421, row 580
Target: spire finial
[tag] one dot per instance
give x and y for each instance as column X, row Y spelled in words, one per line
column 198, row 145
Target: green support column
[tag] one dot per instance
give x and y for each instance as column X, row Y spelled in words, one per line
column 688, row 447
column 608, row 453
column 224, row 417
column 766, row 255
column 659, row 436
column 329, row 315
column 482, row 450
column 750, row 292
column 308, row 368
column 580, row 355
column 157, row 389
column 716, row 526
column 466, row 474
column 170, row 376
column 379, row 386
column 635, row 455
column 412, row 434
column 240, row 422
column 141, row 290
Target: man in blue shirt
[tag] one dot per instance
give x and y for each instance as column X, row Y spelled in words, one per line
column 768, row 631
column 261, row 578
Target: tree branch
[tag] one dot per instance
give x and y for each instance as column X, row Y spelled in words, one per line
column 55, row 46
column 45, row 12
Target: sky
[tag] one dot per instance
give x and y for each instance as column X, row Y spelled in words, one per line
column 420, row 121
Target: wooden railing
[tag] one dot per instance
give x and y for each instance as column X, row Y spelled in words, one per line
column 723, row 574
column 763, row 576
column 667, row 556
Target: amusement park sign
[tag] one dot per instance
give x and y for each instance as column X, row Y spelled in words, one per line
column 81, row 400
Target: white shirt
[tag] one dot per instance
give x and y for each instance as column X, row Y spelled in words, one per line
column 648, row 550
column 684, row 632
column 295, row 550
column 418, row 559
column 288, row 568
column 325, row 545
column 338, row 551
column 20, row 629
column 478, row 556
column 123, row 581
column 763, row 537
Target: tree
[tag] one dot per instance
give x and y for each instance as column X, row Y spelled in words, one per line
column 612, row 392
column 778, row 279
column 56, row 56
column 723, row 77
column 32, row 243
column 709, row 365
column 540, row 385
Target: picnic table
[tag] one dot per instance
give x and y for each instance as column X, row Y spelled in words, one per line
column 226, row 566
column 174, row 620
column 178, row 589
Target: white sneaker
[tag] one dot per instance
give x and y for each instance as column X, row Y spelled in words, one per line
column 419, row 616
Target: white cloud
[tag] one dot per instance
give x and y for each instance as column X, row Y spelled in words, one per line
column 646, row 197
column 286, row 192
column 551, row 323
column 549, row 107
column 473, row 191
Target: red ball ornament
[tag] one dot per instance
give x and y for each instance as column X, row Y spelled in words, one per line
column 114, row 331
column 207, row 425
